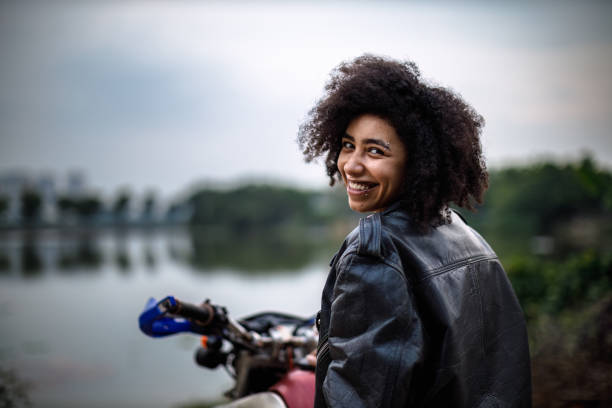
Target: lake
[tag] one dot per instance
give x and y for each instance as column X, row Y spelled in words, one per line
column 69, row 305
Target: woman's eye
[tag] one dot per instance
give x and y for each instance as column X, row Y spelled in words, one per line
column 347, row 145
column 376, row 150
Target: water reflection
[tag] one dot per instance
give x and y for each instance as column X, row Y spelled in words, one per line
column 255, row 251
column 5, row 263
column 32, row 254
column 31, row 263
column 122, row 260
column 85, row 252
column 80, row 252
column 84, row 256
column 148, row 256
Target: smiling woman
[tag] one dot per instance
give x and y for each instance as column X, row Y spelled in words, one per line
column 439, row 132
column 371, row 163
column 417, row 309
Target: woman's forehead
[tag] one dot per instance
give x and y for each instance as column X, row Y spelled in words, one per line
column 371, row 128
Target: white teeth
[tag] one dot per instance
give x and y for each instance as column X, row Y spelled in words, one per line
column 358, row 186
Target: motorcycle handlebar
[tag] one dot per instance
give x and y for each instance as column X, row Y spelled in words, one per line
column 202, row 314
column 170, row 316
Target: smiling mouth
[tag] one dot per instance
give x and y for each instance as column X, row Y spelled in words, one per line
column 360, row 186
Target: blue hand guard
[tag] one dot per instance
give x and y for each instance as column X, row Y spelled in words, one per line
column 156, row 321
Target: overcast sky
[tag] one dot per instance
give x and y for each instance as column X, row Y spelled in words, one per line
column 162, row 94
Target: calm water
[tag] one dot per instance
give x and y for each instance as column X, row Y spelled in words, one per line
column 69, row 305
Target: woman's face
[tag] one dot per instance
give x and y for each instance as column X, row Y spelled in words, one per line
column 372, row 163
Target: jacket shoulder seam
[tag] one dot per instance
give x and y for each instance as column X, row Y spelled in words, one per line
column 353, row 252
column 457, row 264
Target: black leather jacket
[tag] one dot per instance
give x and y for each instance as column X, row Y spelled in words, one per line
column 412, row 320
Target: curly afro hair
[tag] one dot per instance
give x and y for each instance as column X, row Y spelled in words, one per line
column 441, row 133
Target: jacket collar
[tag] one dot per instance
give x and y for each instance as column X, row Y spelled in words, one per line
column 397, row 205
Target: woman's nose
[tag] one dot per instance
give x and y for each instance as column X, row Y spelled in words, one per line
column 354, row 165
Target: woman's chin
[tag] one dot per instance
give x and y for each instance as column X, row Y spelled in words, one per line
column 361, row 206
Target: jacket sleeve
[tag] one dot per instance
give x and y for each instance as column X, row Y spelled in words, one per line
column 375, row 336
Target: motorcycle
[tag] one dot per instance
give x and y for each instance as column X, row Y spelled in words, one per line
column 266, row 353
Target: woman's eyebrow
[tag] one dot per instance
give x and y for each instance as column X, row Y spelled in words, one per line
column 378, row 142
column 381, row 143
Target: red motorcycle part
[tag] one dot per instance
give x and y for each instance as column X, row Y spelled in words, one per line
column 296, row 388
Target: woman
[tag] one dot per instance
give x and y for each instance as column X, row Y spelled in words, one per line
column 417, row 310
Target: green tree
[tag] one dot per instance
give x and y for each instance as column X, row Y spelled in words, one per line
column 540, row 199
column 121, row 206
column 88, row 207
column 148, row 208
column 66, row 205
column 67, row 208
column 4, row 204
column 252, row 206
column 31, row 203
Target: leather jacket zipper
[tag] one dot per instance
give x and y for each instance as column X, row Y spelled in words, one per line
column 465, row 262
column 323, row 348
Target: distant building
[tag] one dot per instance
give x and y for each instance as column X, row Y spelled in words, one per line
column 13, row 184
column 144, row 210
column 76, row 184
column 46, row 189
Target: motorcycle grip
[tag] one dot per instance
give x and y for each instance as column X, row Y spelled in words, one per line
column 203, row 314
